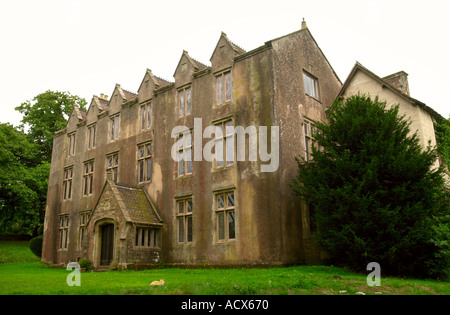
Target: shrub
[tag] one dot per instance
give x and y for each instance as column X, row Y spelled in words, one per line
column 86, row 263
column 36, row 245
column 376, row 195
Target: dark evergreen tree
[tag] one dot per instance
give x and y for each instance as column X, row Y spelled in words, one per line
column 376, row 194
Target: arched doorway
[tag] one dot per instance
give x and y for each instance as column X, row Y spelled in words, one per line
column 107, row 244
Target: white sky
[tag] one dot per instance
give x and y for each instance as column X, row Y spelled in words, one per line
column 86, row 47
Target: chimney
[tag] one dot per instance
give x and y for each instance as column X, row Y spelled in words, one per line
column 398, row 80
column 103, row 96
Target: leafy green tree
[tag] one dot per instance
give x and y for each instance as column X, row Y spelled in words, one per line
column 23, row 183
column 46, row 114
column 442, row 128
column 377, row 197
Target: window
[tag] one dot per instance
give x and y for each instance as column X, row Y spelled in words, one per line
column 84, row 217
column 115, row 124
column 63, row 231
column 223, row 87
column 67, row 183
column 184, row 220
column 225, row 213
column 91, row 136
column 185, row 154
column 185, row 102
column 224, row 139
column 309, row 131
column 71, row 150
column 311, row 87
column 146, row 237
column 112, row 164
column 146, row 116
column 88, row 178
column 145, row 162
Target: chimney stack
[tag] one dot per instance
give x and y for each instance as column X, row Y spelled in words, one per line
column 398, row 80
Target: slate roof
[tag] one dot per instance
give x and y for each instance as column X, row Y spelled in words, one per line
column 137, row 207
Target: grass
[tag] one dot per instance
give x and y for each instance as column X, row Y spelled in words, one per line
column 22, row 273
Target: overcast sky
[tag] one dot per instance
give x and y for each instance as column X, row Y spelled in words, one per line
column 86, row 47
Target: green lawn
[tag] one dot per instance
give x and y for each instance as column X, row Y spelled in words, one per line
column 32, row 277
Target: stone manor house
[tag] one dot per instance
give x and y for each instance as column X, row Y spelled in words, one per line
column 117, row 197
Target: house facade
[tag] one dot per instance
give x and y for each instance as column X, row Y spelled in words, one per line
column 131, row 183
column 117, row 196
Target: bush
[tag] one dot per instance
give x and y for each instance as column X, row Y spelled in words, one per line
column 376, row 195
column 86, row 263
column 36, row 245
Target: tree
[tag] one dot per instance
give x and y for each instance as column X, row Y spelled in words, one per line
column 46, row 114
column 442, row 128
column 375, row 193
column 23, row 183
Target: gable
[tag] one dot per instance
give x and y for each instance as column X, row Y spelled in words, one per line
column 125, row 204
column 224, row 53
column 186, row 68
column 75, row 118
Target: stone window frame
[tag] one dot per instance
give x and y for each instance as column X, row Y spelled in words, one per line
column 68, row 183
column 309, row 141
column 72, row 141
column 63, row 243
column 311, row 90
column 185, row 143
column 223, row 86
column 225, row 139
column 146, row 158
column 146, row 237
column 184, row 109
column 184, row 219
column 91, row 136
column 84, row 219
column 88, row 177
column 145, row 116
column 226, row 210
column 112, row 163
column 114, row 127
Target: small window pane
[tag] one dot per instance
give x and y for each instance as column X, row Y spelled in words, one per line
column 219, row 89
column 228, row 85
column 220, row 202
column 230, row 200
column 143, row 117
column 141, row 171
column 188, row 101
column 231, row 225
column 149, row 169
column 149, row 116
column 149, row 150
column 181, row 102
column 181, row 207
column 181, row 229
column 189, row 206
column 189, row 228
column 221, row 225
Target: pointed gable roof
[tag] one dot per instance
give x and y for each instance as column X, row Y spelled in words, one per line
column 196, row 65
column 385, row 84
column 134, row 204
column 145, row 91
column 224, row 39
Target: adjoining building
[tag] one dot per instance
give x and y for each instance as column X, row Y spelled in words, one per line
column 118, row 197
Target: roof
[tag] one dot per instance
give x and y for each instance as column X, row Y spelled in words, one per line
column 384, row 83
column 137, row 205
column 134, row 203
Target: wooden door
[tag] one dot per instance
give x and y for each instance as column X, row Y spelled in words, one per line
column 107, row 249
